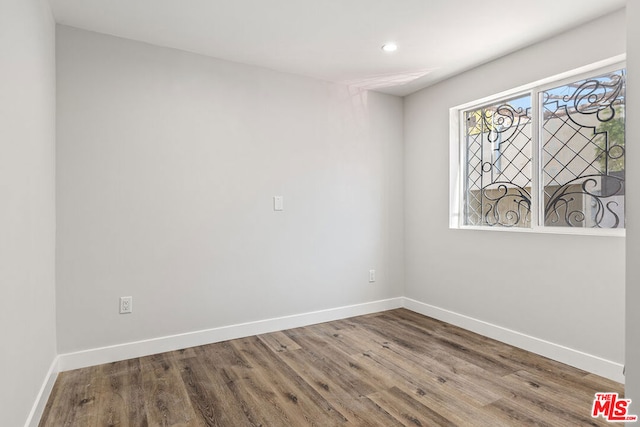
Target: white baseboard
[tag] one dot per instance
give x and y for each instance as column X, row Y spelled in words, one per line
column 43, row 395
column 578, row 359
column 130, row 350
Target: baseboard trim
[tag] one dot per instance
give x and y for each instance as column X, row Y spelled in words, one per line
column 560, row 353
column 43, row 395
column 97, row 356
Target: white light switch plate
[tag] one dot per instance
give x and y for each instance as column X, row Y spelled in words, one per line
column 278, row 203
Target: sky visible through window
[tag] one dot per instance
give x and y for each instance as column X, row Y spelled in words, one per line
column 563, row 95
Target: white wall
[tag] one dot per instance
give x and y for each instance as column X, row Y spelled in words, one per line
column 168, row 162
column 632, row 384
column 27, row 221
column 567, row 290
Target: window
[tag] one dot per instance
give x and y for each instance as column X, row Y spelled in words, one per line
column 550, row 156
column 498, row 155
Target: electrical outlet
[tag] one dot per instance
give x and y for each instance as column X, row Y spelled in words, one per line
column 126, row 305
column 372, row 276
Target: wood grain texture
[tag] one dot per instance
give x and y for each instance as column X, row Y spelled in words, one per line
column 395, row 368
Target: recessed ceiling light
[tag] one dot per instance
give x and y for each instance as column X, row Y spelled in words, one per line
column 389, row 47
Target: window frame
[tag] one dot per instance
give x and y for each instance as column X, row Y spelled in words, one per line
column 457, row 160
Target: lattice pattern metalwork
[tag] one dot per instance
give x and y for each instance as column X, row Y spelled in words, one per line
column 583, row 153
column 498, row 164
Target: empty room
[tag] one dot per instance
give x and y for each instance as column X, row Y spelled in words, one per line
column 294, row 212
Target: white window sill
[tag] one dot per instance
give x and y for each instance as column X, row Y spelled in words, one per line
column 550, row 230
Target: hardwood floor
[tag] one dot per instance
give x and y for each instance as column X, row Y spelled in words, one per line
column 395, row 368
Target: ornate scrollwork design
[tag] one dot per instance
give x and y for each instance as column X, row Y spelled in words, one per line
column 584, row 153
column 503, row 122
column 506, row 204
column 595, row 96
column 565, row 205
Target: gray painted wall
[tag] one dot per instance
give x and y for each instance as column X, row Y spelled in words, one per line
column 167, row 165
column 632, row 384
column 27, row 221
column 568, row 290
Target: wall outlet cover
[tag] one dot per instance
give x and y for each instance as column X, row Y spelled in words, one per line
column 126, row 305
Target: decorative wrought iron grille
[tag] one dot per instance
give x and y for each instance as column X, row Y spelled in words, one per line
column 498, row 164
column 580, row 155
column 583, row 150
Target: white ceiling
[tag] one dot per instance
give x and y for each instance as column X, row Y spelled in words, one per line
column 340, row 40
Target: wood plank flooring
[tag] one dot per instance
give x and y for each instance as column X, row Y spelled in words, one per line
column 395, row 368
